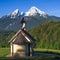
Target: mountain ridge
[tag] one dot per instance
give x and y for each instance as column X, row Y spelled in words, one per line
column 33, row 11
column 33, row 17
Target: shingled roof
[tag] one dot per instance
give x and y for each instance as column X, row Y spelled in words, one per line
column 25, row 34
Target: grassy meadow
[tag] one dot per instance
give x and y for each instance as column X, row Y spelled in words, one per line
column 47, row 50
column 5, row 51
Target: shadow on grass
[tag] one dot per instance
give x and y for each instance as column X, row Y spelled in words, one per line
column 32, row 58
column 37, row 56
column 47, row 55
column 37, row 53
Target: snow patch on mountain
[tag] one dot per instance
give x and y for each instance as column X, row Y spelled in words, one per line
column 11, row 24
column 33, row 11
column 15, row 14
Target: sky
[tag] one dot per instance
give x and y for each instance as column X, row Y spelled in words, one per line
column 51, row 7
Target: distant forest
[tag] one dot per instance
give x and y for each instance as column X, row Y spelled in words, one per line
column 47, row 35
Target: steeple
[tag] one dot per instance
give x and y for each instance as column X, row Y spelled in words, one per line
column 23, row 22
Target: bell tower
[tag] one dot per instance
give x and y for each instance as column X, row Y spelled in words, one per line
column 23, row 22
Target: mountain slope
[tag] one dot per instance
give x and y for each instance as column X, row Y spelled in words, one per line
column 33, row 17
column 15, row 14
column 35, row 12
column 5, row 36
column 47, row 35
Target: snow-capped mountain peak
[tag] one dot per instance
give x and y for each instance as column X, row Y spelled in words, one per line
column 33, row 11
column 15, row 13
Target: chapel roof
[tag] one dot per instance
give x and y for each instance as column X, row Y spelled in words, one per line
column 27, row 37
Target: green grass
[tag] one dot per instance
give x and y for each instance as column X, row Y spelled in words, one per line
column 41, row 57
column 4, row 52
column 47, row 50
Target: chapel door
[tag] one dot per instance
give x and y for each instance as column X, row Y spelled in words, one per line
column 28, row 49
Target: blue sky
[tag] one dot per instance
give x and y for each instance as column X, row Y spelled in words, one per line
column 51, row 7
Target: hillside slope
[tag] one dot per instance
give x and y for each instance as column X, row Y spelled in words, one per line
column 47, row 35
column 5, row 36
